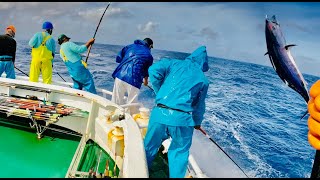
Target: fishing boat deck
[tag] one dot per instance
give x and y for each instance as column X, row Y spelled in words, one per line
column 159, row 168
column 53, row 140
column 23, row 155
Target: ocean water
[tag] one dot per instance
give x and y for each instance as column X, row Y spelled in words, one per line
column 250, row 112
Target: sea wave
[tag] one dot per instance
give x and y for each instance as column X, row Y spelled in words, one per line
column 250, row 112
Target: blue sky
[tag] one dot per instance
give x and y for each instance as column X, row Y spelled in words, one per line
column 230, row 30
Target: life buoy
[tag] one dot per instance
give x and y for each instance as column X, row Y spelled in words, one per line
column 314, row 126
column 315, row 89
column 314, row 141
column 313, row 111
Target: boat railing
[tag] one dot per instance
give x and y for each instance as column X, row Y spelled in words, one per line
column 193, row 167
column 72, row 171
column 99, row 109
column 105, row 93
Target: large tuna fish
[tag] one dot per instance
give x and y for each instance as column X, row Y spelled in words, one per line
column 282, row 60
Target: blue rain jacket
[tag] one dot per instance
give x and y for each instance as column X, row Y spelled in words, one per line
column 180, row 84
column 134, row 59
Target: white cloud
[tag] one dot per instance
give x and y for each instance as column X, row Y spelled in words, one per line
column 51, row 12
column 149, row 27
column 90, row 14
column 5, row 5
column 118, row 12
column 208, row 33
column 37, row 19
column 94, row 14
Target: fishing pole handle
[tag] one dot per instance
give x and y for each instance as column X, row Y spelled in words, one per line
column 88, row 52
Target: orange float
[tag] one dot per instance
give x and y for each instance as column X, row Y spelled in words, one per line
column 317, row 102
column 311, row 100
column 315, row 89
column 314, row 141
column 313, row 111
column 314, row 126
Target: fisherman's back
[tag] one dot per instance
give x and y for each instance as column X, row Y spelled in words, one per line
column 134, row 60
column 184, row 80
column 7, row 46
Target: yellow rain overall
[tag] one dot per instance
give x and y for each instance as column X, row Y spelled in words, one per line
column 41, row 61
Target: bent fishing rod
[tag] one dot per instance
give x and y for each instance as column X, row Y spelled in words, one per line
column 200, row 129
column 63, row 79
column 96, row 32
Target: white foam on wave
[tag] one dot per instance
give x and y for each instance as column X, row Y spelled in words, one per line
column 91, row 55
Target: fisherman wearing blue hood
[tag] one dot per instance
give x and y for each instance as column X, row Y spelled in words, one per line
column 135, row 60
column 181, row 88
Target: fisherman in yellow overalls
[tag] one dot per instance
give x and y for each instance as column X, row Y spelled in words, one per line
column 42, row 54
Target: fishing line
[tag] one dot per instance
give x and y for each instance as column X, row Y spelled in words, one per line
column 63, row 79
column 200, row 129
column 21, row 71
column 151, row 89
column 28, row 76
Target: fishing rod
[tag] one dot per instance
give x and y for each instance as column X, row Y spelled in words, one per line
column 21, row 71
column 63, row 79
column 200, row 129
column 150, row 88
column 96, row 31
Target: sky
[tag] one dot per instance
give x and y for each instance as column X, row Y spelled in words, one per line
column 230, row 30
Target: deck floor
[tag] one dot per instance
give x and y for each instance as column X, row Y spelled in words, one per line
column 23, row 155
column 159, row 168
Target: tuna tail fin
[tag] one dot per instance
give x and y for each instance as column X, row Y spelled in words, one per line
column 304, row 115
column 289, row 46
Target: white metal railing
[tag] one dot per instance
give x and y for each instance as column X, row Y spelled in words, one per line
column 193, row 167
column 132, row 145
column 76, row 159
column 66, row 84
